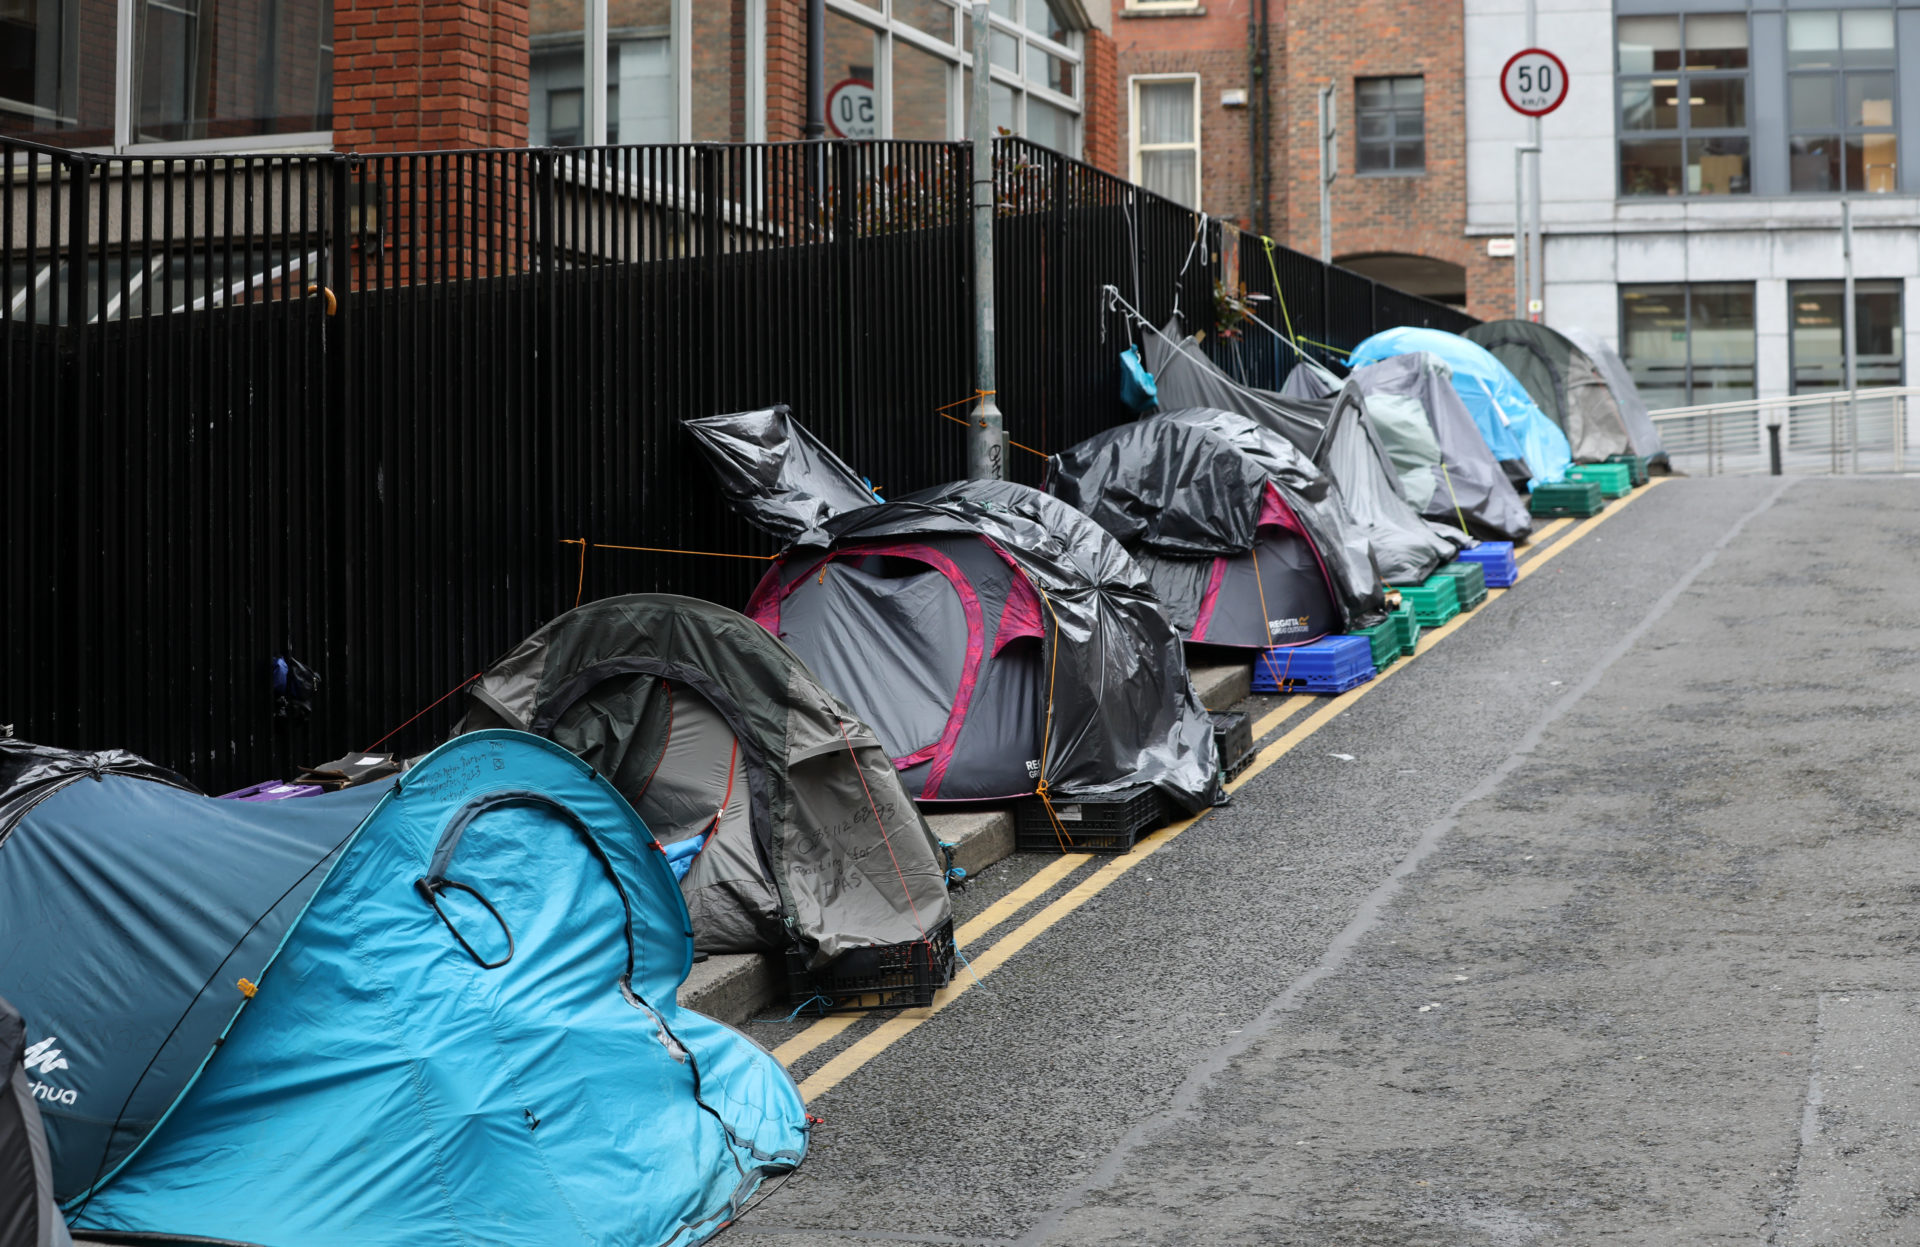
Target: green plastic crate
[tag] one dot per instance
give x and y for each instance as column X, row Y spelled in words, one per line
column 1385, row 640
column 1406, row 623
column 1469, row 582
column 1433, row 602
column 1581, row 498
column 1636, row 466
column 1614, row 479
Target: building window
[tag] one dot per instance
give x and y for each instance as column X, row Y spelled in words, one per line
column 1689, row 343
column 677, row 71
column 1840, row 101
column 1819, row 328
column 900, row 69
column 1391, row 118
column 1683, row 105
column 1166, row 136
column 198, row 70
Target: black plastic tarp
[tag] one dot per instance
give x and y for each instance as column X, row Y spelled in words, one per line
column 1121, row 710
column 767, row 460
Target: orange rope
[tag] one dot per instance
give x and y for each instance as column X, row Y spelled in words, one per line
column 436, row 701
column 581, row 588
column 973, row 424
column 881, row 824
column 1046, row 730
column 711, row 554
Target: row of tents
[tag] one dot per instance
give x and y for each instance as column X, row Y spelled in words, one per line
column 442, row 1005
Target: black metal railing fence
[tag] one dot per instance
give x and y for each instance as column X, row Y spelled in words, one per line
column 351, row 410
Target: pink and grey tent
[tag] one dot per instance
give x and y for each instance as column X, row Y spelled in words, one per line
column 1243, row 537
column 999, row 642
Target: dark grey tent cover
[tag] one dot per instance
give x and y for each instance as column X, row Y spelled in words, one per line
column 705, row 722
column 797, row 483
column 1563, row 381
column 1333, row 431
column 1190, row 485
column 1469, row 481
column 31, row 773
column 1626, row 395
column 1109, row 702
column 29, row 1217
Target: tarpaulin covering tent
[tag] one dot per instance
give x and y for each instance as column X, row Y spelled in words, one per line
column 1531, row 448
column 999, row 642
column 1626, row 395
column 440, row 1009
column 29, row 1217
column 1458, row 476
column 713, row 729
column 1332, row 431
column 1563, row 381
column 1239, row 532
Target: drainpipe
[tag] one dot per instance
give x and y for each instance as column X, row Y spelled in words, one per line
column 816, row 69
column 1329, row 169
column 1260, row 125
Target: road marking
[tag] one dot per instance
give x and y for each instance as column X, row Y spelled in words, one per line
column 1588, row 525
column 1281, row 713
column 848, row 1061
column 1538, row 539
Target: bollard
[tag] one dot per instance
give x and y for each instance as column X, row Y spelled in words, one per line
column 1773, row 447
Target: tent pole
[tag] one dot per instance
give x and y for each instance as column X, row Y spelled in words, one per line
column 987, row 441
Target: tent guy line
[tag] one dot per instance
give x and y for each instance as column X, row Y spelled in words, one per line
column 856, row 1055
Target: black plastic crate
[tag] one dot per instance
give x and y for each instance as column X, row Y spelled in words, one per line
column 1103, row 824
column 886, row 976
column 1232, row 735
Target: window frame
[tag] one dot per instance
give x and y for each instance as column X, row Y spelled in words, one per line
column 1135, row 148
column 1393, row 138
column 1685, row 132
column 1797, row 289
column 1687, row 291
column 1842, row 129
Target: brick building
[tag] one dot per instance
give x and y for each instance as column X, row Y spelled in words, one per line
column 1255, row 68
column 371, row 75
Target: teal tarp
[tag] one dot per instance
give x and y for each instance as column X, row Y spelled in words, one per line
column 1512, row 424
column 384, row 1087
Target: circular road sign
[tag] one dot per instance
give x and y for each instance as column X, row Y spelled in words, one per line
column 1534, row 82
column 851, row 110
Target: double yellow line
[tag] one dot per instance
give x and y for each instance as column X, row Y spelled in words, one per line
column 846, row 1062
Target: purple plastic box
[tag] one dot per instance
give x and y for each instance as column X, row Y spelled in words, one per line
column 273, row 790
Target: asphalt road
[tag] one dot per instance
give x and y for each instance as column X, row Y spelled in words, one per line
column 1596, row 923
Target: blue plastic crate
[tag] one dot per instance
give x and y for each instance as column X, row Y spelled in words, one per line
column 1332, row 664
column 1496, row 560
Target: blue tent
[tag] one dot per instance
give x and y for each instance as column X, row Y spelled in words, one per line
column 1513, row 425
column 440, row 1010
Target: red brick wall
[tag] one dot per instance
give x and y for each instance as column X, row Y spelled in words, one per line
column 1338, row 41
column 1103, row 135
column 425, row 74
column 1213, row 44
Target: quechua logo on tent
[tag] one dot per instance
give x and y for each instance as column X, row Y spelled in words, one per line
column 44, row 1059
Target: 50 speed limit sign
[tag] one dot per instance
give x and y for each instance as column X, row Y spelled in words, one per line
column 1534, row 82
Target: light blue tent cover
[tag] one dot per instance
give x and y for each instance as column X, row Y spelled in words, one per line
column 1512, row 424
column 386, row 1087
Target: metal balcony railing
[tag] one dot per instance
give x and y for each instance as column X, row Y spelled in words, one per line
column 1843, row 431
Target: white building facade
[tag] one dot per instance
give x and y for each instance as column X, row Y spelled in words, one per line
column 1693, row 180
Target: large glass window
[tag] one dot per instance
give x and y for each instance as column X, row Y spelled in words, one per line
column 1819, row 327
column 1689, row 343
column 676, row 72
column 1390, row 116
column 1840, row 100
column 201, row 70
column 1683, row 105
column 1166, row 137
column 905, row 66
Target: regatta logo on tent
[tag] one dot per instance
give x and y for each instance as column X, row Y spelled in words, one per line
column 1033, row 768
column 1281, row 627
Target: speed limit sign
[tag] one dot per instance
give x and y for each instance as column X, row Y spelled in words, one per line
column 850, row 110
column 1534, row 82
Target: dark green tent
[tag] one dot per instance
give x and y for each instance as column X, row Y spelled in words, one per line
column 1563, row 381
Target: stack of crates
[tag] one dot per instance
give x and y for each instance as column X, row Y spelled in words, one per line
column 1108, row 823
column 1636, row 467
column 1406, row 624
column 1469, row 583
column 1232, row 742
column 1384, row 638
column 1496, row 562
column 1333, row 664
column 1614, row 479
column 1575, row 498
column 1435, row 601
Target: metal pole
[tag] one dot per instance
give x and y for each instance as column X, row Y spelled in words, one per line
column 1773, row 447
column 816, row 69
column 987, row 446
column 1847, row 344
column 595, row 112
column 1536, row 288
column 1329, row 169
column 1520, row 151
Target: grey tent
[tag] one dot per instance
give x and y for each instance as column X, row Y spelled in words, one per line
column 1563, row 381
column 29, row 1217
column 1465, row 482
column 1333, row 431
column 1239, row 532
column 1000, row 642
column 1626, row 395
column 719, row 736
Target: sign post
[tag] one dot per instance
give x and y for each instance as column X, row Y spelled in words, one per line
column 1534, row 83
